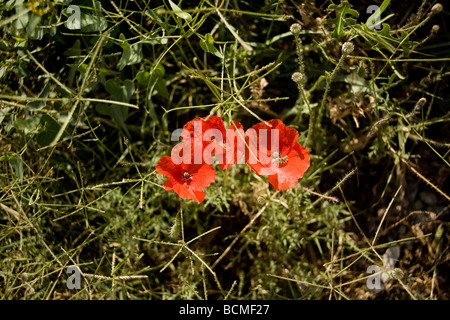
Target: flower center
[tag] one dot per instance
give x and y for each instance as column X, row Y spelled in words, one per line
column 276, row 157
column 186, row 175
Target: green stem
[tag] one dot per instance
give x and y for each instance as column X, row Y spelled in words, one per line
column 312, row 116
column 325, row 94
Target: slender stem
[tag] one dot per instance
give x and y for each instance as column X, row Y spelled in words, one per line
column 299, row 44
column 312, row 116
column 301, row 88
column 329, row 78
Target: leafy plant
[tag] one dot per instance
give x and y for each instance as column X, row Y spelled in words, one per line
column 88, row 108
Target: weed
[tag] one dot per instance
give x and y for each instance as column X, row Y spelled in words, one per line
column 88, row 107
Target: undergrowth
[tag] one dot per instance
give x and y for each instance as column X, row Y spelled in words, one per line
column 88, row 106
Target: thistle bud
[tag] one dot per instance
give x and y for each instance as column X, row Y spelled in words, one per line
column 347, row 48
column 298, row 77
column 295, row 29
column 397, row 274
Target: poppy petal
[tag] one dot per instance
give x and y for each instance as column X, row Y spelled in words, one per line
column 203, row 177
column 199, row 196
column 166, row 167
column 301, row 151
column 287, row 176
column 168, row 185
column 288, row 140
column 213, row 122
column 257, row 156
column 234, row 145
column 186, row 192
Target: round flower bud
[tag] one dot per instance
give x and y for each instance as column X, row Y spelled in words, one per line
column 295, row 29
column 347, row 48
column 298, row 77
column 436, row 8
column 397, row 274
column 435, row 28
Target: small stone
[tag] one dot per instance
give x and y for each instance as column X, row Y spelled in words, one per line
column 428, row 197
column 412, row 191
column 418, row 205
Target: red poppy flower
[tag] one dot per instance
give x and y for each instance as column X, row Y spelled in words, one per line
column 203, row 138
column 274, row 151
column 207, row 132
column 234, row 146
column 187, row 180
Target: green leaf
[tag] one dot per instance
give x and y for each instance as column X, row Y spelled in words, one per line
column 22, row 21
column 153, row 14
column 33, row 30
column 154, row 81
column 142, row 77
column 38, row 105
column 29, row 125
column 3, row 71
column 180, row 13
column 121, row 93
column 51, row 129
column 207, row 45
column 91, row 18
column 75, row 50
column 372, row 20
column 131, row 54
column 341, row 21
column 4, row 110
column 358, row 84
column 15, row 162
column 160, row 83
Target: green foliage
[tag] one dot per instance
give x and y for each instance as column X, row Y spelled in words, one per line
column 342, row 20
column 87, row 108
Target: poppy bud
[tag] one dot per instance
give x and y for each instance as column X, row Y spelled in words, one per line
column 298, row 77
column 437, row 8
column 295, row 29
column 347, row 48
